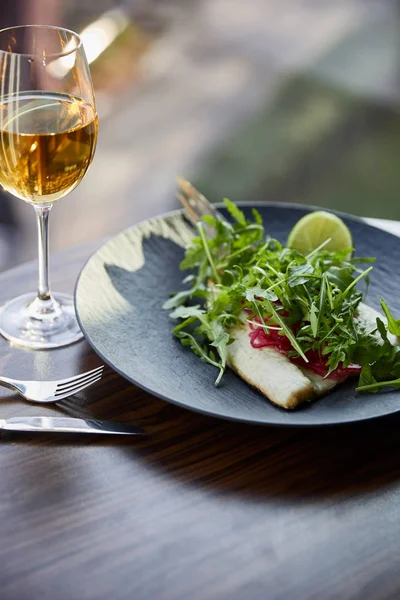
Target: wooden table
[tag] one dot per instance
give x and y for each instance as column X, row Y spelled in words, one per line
column 199, row 508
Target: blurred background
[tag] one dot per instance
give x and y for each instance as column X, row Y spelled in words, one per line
column 279, row 100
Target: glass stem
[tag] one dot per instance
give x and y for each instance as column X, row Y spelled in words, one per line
column 42, row 216
column 44, row 307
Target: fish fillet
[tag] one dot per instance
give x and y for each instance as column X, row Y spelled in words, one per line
column 268, row 371
column 272, row 373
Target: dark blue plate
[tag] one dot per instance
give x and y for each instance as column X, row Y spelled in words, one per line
column 120, row 293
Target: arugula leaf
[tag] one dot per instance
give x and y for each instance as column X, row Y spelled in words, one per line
column 177, row 299
column 288, row 331
column 367, row 380
column 393, row 324
column 340, row 277
column 314, row 319
column 210, row 259
column 235, row 212
column 190, row 340
column 183, row 312
column 382, row 330
column 252, row 293
column 256, row 216
column 377, row 385
column 298, row 274
column 356, row 280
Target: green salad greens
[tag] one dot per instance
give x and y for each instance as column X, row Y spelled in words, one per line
column 309, row 303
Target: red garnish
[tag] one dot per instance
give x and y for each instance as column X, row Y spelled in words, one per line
column 261, row 338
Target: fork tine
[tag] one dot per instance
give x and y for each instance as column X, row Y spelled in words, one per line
column 79, row 388
column 81, row 375
column 75, row 384
column 78, row 378
column 191, row 192
column 185, row 185
column 192, row 214
column 195, row 203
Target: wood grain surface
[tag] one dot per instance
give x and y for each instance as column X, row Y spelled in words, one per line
column 199, row 508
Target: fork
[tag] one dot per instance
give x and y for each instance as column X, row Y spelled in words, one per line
column 52, row 391
column 196, row 205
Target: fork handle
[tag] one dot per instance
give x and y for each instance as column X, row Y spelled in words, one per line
column 12, row 384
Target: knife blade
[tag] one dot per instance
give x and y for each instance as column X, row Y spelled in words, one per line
column 68, row 425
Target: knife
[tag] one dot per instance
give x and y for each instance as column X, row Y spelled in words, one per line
column 67, row 425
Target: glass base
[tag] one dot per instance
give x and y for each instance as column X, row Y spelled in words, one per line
column 34, row 323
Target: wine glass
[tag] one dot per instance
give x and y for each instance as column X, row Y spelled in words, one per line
column 48, row 134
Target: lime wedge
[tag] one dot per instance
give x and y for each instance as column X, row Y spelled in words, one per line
column 315, row 228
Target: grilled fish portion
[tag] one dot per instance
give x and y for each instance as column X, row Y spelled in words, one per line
column 269, row 371
column 283, row 382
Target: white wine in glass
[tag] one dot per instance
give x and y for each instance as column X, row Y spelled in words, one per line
column 48, row 134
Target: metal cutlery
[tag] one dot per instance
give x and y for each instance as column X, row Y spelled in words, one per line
column 67, row 425
column 195, row 204
column 52, row 391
